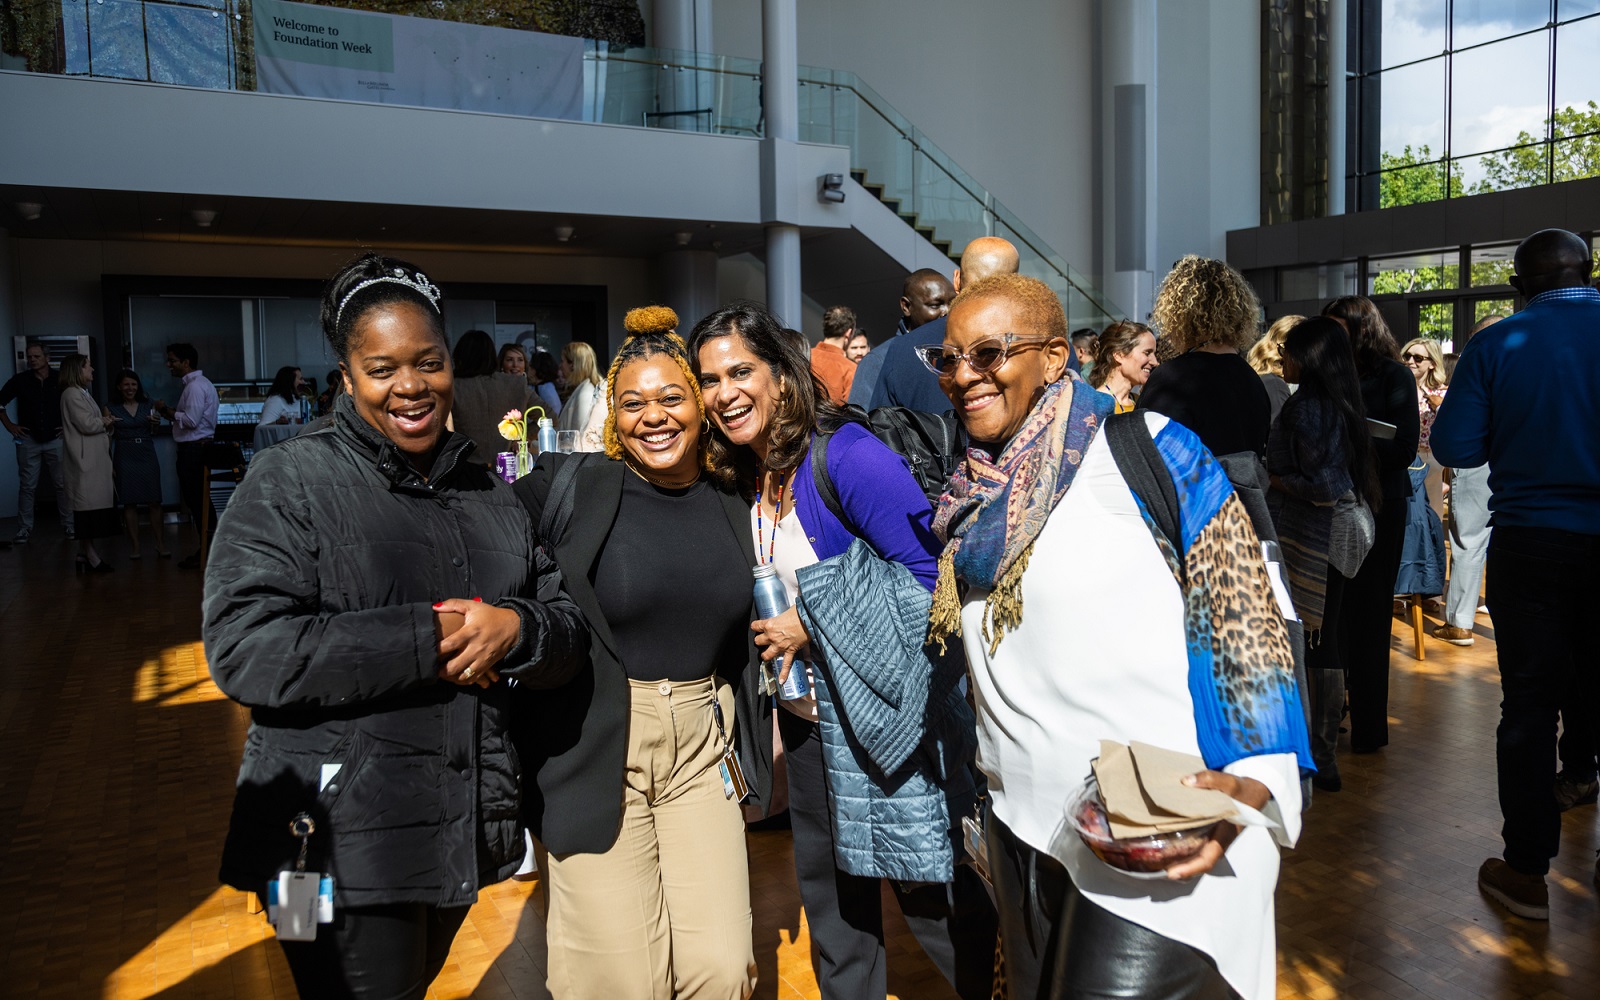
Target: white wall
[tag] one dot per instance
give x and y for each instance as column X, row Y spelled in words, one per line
column 1208, row 126
column 1006, row 89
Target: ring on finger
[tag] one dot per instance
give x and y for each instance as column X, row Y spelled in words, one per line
column 468, row 673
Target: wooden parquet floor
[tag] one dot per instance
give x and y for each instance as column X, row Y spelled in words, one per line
column 119, row 757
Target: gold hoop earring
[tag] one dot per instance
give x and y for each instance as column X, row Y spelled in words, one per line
column 705, row 427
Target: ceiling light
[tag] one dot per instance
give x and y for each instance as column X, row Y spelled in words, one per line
column 30, row 210
column 203, row 217
column 682, row 239
column 564, row 233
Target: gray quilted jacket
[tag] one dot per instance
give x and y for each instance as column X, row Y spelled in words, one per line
column 898, row 736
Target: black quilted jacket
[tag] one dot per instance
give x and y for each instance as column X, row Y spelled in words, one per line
column 318, row 617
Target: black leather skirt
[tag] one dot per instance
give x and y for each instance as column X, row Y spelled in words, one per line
column 1060, row 945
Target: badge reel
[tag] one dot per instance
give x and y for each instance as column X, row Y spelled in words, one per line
column 298, row 900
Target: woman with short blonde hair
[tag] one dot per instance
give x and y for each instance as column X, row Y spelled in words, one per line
column 86, row 462
column 585, row 385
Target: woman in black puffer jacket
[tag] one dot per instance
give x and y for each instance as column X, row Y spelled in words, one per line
column 368, row 596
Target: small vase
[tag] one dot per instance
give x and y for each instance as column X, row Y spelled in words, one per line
column 524, row 459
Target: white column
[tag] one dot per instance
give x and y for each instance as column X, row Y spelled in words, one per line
column 684, row 26
column 1129, row 144
column 1337, row 66
column 781, row 89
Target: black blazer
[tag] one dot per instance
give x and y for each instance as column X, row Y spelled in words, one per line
column 574, row 740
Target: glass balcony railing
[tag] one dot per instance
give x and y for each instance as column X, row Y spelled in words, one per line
column 212, row 44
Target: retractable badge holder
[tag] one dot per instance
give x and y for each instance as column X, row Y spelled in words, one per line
column 298, row 900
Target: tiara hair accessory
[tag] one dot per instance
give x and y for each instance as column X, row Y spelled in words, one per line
column 419, row 282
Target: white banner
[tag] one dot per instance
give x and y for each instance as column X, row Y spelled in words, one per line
column 312, row 51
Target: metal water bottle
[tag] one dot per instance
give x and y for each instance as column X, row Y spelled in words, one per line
column 547, row 435
column 772, row 600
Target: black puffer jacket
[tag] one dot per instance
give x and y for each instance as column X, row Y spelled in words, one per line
column 318, row 616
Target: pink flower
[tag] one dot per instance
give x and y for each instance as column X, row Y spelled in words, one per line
column 512, row 415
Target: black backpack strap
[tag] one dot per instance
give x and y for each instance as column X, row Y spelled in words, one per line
column 1146, row 473
column 824, row 479
column 558, row 504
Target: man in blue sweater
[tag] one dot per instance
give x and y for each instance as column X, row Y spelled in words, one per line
column 1526, row 400
column 904, row 379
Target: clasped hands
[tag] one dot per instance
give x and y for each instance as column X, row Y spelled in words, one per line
column 472, row 637
column 1246, row 790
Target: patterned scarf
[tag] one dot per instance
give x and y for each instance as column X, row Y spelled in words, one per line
column 996, row 507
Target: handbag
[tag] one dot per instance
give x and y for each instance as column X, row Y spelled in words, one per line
column 1351, row 533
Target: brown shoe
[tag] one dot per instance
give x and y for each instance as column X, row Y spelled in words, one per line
column 1525, row 895
column 1454, row 636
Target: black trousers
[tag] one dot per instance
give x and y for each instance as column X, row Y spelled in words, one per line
column 954, row 924
column 375, row 952
column 1325, row 675
column 1368, row 610
column 1542, row 588
column 191, row 468
column 1061, row 946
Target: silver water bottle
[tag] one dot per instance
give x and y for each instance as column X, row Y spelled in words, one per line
column 772, row 600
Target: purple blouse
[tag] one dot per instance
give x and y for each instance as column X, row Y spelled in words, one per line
column 880, row 497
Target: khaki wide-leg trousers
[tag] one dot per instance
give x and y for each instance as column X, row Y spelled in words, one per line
column 665, row 913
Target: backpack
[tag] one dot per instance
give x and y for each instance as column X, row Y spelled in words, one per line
column 933, row 445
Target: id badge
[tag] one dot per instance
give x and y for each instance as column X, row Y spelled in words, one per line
column 733, row 784
column 297, row 903
column 769, row 679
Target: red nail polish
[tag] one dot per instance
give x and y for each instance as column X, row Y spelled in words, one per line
column 438, row 604
column 478, row 599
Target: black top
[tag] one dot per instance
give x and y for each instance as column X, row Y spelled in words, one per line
column 38, row 404
column 673, row 584
column 573, row 741
column 1218, row 396
column 1389, row 393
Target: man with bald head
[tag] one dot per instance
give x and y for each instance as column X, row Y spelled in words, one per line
column 905, row 380
column 1526, row 400
column 924, row 298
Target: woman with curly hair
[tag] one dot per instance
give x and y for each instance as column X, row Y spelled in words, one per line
column 647, row 874
column 1210, row 312
column 1389, row 394
column 640, row 321
column 1266, row 357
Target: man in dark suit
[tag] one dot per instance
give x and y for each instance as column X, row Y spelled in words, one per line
column 905, row 380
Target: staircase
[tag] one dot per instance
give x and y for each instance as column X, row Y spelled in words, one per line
column 910, row 218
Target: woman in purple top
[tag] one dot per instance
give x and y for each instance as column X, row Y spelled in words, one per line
column 766, row 410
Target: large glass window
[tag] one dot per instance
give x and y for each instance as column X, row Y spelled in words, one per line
column 1417, row 272
column 1462, row 97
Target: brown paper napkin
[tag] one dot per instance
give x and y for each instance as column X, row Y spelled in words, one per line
column 1144, row 794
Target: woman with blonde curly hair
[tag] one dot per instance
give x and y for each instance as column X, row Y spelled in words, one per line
column 643, row 320
column 1210, row 313
column 647, row 873
column 585, row 386
column 1266, row 357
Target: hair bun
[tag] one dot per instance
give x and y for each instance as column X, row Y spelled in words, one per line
column 650, row 319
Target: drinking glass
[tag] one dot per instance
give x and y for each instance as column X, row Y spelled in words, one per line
column 566, row 442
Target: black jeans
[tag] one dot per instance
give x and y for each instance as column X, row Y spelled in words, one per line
column 1542, row 588
column 954, row 924
column 375, row 952
column 1579, row 748
column 1059, row 945
column 1368, row 613
column 191, row 468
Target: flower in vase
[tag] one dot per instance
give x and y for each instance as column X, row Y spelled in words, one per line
column 513, row 427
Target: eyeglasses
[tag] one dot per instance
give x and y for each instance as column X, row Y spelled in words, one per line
column 983, row 357
column 1417, row 359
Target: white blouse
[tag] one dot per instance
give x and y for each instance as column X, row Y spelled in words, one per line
column 1101, row 653
column 276, row 406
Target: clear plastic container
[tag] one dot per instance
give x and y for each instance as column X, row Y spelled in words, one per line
column 1139, row 857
